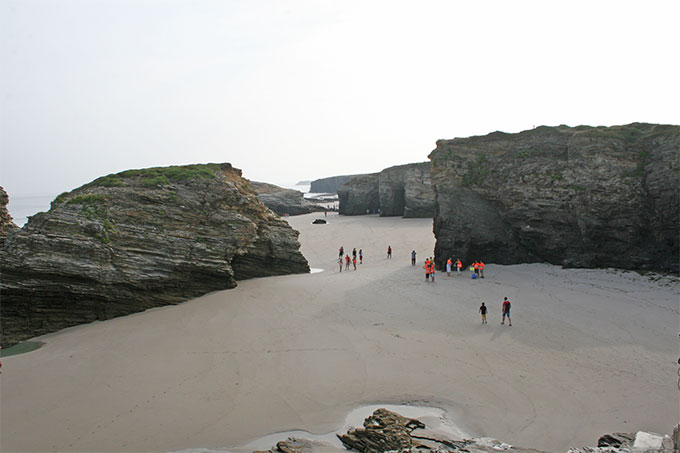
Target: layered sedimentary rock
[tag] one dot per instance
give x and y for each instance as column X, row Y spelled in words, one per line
column 139, row 239
column 360, row 195
column 284, row 201
column 583, row 196
column 6, row 222
column 406, row 190
column 330, row 184
column 403, row 190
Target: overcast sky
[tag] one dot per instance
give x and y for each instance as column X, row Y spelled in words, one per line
column 293, row 89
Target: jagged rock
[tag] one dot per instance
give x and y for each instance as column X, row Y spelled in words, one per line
column 581, row 197
column 135, row 240
column 360, row 195
column 616, row 440
column 6, row 222
column 319, row 221
column 284, row 201
column 330, row 184
column 383, row 431
column 406, row 190
column 295, row 445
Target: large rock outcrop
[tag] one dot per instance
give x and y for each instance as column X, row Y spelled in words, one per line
column 6, row 222
column 583, row 196
column 360, row 195
column 330, row 184
column 136, row 240
column 406, row 190
column 403, row 190
column 284, row 201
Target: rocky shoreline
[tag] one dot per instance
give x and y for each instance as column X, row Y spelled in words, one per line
column 387, row 431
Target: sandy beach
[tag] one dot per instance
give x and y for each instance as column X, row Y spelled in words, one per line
column 590, row 352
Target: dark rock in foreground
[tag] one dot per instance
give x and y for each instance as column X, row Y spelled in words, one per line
column 579, row 197
column 136, row 240
column 6, row 222
column 385, row 431
column 284, row 201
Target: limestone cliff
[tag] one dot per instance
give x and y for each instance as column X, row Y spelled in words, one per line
column 139, row 239
column 583, row 196
column 284, row 201
column 359, row 195
column 6, row 222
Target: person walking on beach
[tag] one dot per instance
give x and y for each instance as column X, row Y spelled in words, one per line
column 354, row 261
column 482, row 310
column 506, row 311
column 476, row 266
column 481, row 269
column 361, row 256
column 340, row 263
column 459, row 265
column 432, row 270
column 346, row 262
column 341, row 251
column 413, row 258
column 354, row 253
column 389, row 252
column 427, row 270
column 448, row 267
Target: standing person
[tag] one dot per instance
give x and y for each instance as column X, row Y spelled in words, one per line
column 354, row 261
column 432, row 270
column 354, row 253
column 341, row 251
column 481, row 269
column 448, row 267
column 413, row 258
column 340, row 263
column 427, row 270
column 476, row 266
column 347, row 262
column 459, row 265
column 482, row 310
column 361, row 256
column 506, row 311
column 389, row 251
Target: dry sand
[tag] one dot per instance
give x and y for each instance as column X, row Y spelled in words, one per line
column 590, row 352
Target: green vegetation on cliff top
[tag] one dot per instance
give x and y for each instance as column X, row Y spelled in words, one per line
column 158, row 176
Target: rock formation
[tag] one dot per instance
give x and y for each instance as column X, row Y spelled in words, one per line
column 135, row 240
column 360, row 195
column 284, row 201
column 385, row 431
column 583, row 197
column 406, row 190
column 403, row 190
column 330, row 184
column 6, row 222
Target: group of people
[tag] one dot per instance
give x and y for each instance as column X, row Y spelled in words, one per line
column 347, row 260
column 429, row 269
column 505, row 308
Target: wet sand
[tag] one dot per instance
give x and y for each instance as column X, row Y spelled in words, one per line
column 590, row 352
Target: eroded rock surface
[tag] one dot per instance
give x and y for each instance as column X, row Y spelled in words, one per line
column 136, row 240
column 284, row 201
column 6, row 222
column 580, row 197
column 406, row 190
column 360, row 195
column 330, row 184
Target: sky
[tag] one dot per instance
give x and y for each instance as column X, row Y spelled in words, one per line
column 295, row 90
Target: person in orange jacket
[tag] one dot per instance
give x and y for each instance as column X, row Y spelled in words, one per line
column 427, row 269
column 432, row 270
column 448, row 267
column 476, row 266
column 459, row 265
column 481, row 269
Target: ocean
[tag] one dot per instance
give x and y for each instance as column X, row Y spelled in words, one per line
column 21, row 207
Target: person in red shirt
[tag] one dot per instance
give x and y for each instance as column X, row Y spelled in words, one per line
column 459, row 265
column 506, row 311
column 481, row 269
